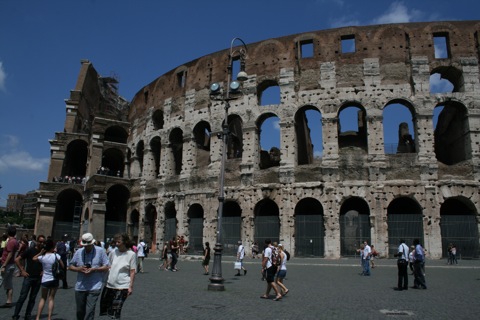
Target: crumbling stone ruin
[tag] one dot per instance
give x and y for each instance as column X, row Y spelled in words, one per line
column 151, row 166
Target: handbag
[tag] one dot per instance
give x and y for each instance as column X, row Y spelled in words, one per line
column 237, row 265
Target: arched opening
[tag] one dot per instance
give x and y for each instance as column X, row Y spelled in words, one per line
column 134, row 225
column 195, row 229
column 398, row 128
column 155, row 149
column 68, row 212
column 446, row 79
column 309, row 228
column 75, row 163
column 113, row 162
column 170, row 230
column 231, row 227
column 150, row 222
column 202, row 135
column 176, row 144
column 116, row 134
column 459, row 227
column 269, row 131
column 308, row 130
column 404, row 220
column 85, row 222
column 116, row 210
column 139, row 155
column 354, row 225
column 235, row 139
column 352, row 127
column 267, row 221
column 452, row 134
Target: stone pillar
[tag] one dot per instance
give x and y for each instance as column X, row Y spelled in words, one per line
column 332, row 224
column 288, row 153
column 431, row 223
column 250, row 154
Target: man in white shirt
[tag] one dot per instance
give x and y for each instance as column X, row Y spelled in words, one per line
column 140, row 256
column 402, row 263
column 367, row 252
column 240, row 256
column 269, row 270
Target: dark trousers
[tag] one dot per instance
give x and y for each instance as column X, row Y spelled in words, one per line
column 402, row 274
column 86, row 302
column 173, row 264
column 29, row 284
column 64, row 279
column 419, row 275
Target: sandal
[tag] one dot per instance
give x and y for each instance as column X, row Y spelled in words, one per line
column 277, row 298
column 286, row 293
column 264, row 297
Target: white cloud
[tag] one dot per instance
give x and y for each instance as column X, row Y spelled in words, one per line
column 3, row 77
column 344, row 21
column 276, row 124
column 13, row 159
column 439, row 85
column 397, row 13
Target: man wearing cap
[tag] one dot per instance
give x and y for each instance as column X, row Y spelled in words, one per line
column 91, row 263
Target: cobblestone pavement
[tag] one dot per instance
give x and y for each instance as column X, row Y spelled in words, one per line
column 319, row 289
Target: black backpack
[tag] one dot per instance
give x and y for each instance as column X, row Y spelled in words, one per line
column 57, row 270
column 288, row 254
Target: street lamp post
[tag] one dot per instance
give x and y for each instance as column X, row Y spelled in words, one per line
column 233, row 86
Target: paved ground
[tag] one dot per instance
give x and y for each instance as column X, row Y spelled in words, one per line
column 319, row 289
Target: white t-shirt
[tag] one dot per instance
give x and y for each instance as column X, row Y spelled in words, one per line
column 403, row 249
column 366, row 252
column 47, row 261
column 268, row 254
column 241, row 252
column 120, row 265
column 141, row 249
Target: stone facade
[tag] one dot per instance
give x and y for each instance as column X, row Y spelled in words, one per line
column 161, row 155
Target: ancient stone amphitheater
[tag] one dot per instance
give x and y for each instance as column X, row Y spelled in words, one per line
column 151, row 166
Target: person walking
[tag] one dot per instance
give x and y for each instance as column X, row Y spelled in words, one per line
column 8, row 265
column 123, row 266
column 206, row 257
column 62, row 250
column 367, row 251
column 31, row 271
column 402, row 265
column 240, row 257
column 47, row 258
column 418, row 262
column 166, row 255
column 174, row 250
column 140, row 255
column 282, row 270
column 269, row 270
column 91, row 263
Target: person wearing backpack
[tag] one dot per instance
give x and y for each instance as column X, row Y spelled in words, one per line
column 269, row 268
column 282, row 270
column 47, row 258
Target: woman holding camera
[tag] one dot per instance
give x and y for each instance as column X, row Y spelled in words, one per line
column 47, row 258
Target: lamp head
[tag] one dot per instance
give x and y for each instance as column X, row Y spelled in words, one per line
column 234, row 86
column 215, row 88
column 242, row 76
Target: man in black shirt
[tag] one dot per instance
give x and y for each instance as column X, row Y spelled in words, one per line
column 32, row 275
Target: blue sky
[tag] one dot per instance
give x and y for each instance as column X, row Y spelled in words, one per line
column 42, row 43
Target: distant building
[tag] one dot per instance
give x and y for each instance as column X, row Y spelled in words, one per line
column 15, row 202
column 30, row 205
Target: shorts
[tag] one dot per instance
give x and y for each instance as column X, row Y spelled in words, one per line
column 270, row 274
column 7, row 276
column 281, row 274
column 169, row 256
column 50, row 284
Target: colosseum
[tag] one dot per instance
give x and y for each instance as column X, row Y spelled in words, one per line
column 164, row 163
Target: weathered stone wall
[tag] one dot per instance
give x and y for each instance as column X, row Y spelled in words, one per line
column 390, row 63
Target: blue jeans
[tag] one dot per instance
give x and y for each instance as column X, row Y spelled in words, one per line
column 366, row 267
column 29, row 284
column 86, row 302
